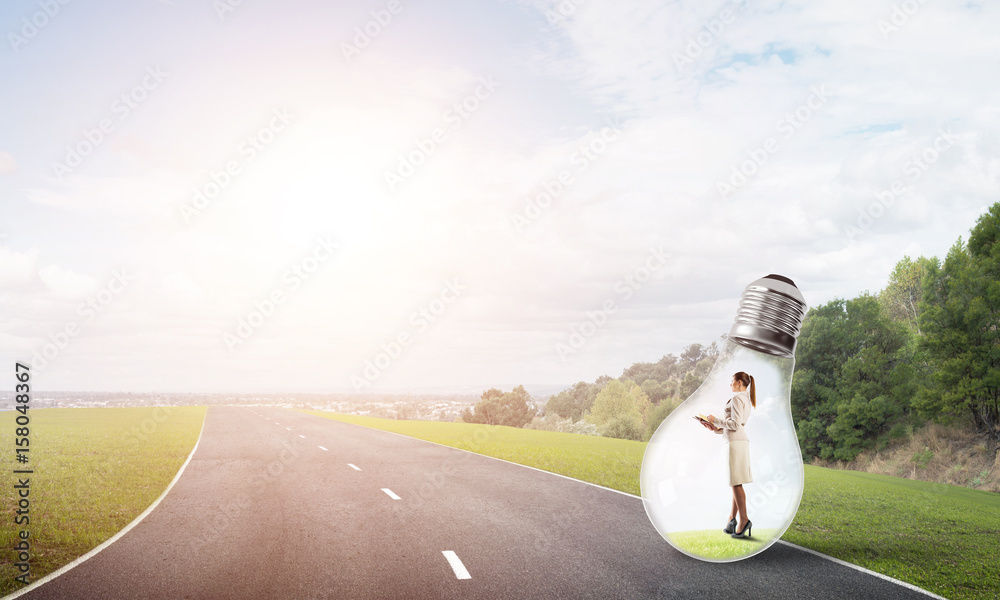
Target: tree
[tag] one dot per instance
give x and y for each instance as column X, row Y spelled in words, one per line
column 961, row 325
column 702, row 369
column 657, row 415
column 689, row 384
column 853, row 377
column 669, row 378
column 573, row 402
column 486, row 410
column 625, row 427
column 691, row 355
column 620, row 410
column 570, row 403
column 495, row 407
column 656, row 391
column 902, row 295
column 661, row 370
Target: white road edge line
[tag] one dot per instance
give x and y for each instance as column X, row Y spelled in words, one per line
column 322, row 448
column 118, row 535
column 863, row 570
column 390, row 493
column 820, row 554
column 355, row 467
column 456, row 565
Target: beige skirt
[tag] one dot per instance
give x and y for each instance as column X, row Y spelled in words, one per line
column 739, row 462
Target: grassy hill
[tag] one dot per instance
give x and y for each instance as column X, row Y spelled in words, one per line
column 953, row 454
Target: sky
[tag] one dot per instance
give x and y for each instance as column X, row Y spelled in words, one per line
column 387, row 196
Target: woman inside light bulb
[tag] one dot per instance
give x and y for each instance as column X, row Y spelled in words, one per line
column 731, row 429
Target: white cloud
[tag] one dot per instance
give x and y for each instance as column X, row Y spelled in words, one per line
column 142, row 194
column 17, row 269
column 7, row 164
column 181, row 286
column 66, row 284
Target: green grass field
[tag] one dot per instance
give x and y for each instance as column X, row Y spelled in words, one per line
column 940, row 537
column 943, row 538
column 95, row 469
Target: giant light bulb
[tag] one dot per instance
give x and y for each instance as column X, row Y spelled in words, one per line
column 685, row 470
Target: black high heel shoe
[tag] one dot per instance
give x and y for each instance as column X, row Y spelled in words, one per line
column 730, row 527
column 743, row 534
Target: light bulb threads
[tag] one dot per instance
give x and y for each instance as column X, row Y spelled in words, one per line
column 770, row 316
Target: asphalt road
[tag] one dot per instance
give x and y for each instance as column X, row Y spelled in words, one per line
column 264, row 511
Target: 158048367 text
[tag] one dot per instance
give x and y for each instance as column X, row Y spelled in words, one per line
column 22, row 489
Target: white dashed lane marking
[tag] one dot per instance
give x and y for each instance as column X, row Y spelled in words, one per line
column 304, row 437
column 456, row 565
column 356, row 468
column 322, row 448
column 390, row 493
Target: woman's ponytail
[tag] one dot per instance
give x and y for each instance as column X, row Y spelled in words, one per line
column 747, row 380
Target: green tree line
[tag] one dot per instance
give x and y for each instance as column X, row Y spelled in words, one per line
column 868, row 369
column 632, row 406
column 925, row 348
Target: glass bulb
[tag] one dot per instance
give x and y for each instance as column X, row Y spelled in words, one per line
column 684, row 478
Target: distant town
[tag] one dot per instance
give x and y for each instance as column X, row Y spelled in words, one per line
column 425, row 407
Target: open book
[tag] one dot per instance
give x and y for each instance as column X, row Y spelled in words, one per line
column 702, row 418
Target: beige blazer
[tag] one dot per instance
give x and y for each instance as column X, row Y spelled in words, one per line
column 737, row 413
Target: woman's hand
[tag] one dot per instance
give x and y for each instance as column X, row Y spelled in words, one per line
column 710, row 424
